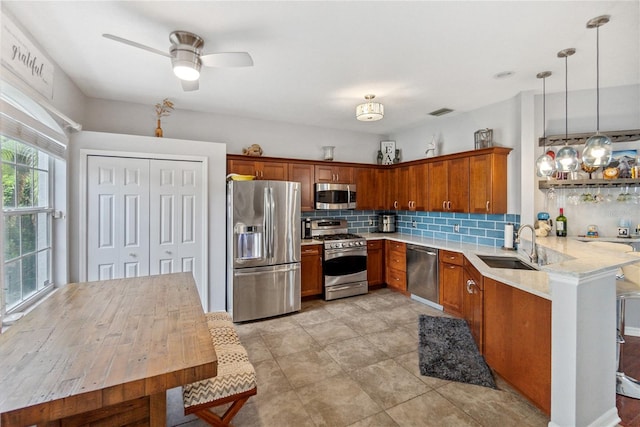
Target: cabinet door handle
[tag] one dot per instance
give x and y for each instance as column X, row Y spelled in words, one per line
column 449, row 205
column 395, row 204
column 470, row 283
column 337, row 177
column 444, row 202
column 488, row 205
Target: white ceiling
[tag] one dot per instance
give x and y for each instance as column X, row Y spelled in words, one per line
column 314, row 61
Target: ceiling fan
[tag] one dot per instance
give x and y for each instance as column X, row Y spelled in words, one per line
column 187, row 58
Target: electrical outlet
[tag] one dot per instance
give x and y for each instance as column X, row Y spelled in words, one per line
column 414, row 224
column 370, row 223
column 456, row 228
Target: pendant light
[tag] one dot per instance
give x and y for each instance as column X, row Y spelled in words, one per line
column 545, row 165
column 567, row 156
column 597, row 151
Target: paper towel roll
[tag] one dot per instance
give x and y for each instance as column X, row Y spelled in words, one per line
column 508, row 236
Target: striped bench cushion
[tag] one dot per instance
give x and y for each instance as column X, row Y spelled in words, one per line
column 218, row 315
column 235, row 375
column 224, row 335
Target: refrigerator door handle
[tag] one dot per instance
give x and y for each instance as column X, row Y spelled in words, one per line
column 267, row 223
column 256, row 271
column 270, row 213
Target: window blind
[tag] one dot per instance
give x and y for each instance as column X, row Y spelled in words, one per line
column 18, row 125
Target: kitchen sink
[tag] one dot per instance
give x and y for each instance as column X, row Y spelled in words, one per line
column 505, row 262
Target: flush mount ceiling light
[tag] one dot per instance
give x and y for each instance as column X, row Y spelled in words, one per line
column 369, row 111
column 545, row 165
column 185, row 55
column 597, row 151
column 567, row 156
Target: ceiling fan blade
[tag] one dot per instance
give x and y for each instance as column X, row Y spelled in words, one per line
column 189, row 86
column 135, row 44
column 227, row 59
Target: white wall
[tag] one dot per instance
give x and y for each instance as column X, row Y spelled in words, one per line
column 216, row 155
column 454, row 133
column 276, row 139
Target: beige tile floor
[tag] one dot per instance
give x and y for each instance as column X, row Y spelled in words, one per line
column 354, row 362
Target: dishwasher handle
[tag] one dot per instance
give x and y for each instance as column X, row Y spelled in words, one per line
column 423, row 250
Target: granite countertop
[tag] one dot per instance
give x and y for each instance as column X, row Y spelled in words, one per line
column 564, row 256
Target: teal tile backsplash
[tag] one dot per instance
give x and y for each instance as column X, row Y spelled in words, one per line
column 486, row 230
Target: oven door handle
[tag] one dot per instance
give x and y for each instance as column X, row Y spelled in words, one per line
column 338, row 288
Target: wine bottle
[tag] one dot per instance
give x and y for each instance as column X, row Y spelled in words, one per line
column 561, row 224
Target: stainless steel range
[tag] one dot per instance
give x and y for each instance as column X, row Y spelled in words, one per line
column 344, row 261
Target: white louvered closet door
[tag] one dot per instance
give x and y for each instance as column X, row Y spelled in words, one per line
column 118, row 209
column 175, row 221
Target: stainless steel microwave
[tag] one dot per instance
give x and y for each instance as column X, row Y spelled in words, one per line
column 335, row 196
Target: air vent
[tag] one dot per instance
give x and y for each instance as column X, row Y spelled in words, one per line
column 441, row 112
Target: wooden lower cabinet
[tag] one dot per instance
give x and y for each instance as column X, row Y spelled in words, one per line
column 311, row 270
column 517, row 340
column 451, row 281
column 473, row 303
column 375, row 262
column 396, row 271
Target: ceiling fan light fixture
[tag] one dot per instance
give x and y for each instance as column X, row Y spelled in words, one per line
column 369, row 111
column 186, row 64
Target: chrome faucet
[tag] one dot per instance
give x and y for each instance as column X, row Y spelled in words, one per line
column 533, row 256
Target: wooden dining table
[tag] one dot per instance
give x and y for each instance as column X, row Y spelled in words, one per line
column 105, row 353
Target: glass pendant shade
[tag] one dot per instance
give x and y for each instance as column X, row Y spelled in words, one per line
column 567, row 159
column 545, row 165
column 597, row 151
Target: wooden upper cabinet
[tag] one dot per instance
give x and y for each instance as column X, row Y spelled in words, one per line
column 459, row 185
column 369, row 184
column 418, row 187
column 438, row 187
column 335, row 174
column 304, row 174
column 261, row 169
column 449, row 185
column 488, row 183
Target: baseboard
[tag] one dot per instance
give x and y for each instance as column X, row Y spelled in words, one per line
column 633, row 332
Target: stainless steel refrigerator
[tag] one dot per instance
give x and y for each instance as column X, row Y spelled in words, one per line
column 263, row 249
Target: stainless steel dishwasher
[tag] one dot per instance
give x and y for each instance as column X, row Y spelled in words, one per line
column 422, row 274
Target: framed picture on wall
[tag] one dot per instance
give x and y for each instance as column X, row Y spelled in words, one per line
column 388, row 150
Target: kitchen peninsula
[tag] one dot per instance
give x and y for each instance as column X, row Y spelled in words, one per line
column 579, row 281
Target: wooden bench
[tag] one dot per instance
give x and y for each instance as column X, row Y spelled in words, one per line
column 236, row 379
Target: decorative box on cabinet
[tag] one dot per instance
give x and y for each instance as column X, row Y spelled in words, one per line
column 396, row 265
column 311, row 270
column 451, row 281
column 375, row 262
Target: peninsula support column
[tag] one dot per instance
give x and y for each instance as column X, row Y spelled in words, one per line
column 583, row 349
